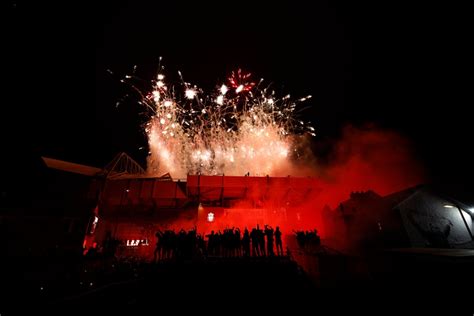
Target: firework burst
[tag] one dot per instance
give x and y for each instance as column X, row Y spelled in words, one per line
column 240, row 128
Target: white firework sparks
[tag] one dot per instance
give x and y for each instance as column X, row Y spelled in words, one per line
column 231, row 132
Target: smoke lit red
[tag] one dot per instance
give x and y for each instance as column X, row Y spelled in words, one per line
column 235, row 155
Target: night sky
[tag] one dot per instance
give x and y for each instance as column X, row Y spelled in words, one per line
column 399, row 67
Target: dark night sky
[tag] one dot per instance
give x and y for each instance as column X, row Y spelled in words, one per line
column 399, row 66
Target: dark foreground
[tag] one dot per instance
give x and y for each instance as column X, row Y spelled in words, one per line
column 395, row 281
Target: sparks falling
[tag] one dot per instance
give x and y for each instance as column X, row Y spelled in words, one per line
column 240, row 128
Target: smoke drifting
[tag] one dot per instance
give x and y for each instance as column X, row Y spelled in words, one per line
column 368, row 158
column 235, row 131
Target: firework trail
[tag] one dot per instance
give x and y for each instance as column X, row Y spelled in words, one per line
column 240, row 128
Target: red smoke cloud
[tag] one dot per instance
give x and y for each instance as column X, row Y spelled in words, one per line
column 361, row 159
column 369, row 158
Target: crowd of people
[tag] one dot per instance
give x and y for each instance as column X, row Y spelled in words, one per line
column 231, row 242
column 307, row 240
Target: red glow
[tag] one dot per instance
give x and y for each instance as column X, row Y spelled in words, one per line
column 362, row 159
column 369, row 159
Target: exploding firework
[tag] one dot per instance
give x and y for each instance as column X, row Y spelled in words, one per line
column 241, row 128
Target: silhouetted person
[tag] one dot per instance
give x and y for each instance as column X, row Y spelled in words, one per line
column 211, row 243
column 269, row 234
column 201, row 245
column 300, row 238
column 255, row 243
column 237, row 242
column 261, row 241
column 278, row 242
column 246, row 243
column 159, row 246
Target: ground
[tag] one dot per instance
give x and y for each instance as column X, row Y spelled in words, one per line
column 396, row 279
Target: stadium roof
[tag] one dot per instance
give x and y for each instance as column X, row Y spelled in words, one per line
column 71, row 167
column 121, row 167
